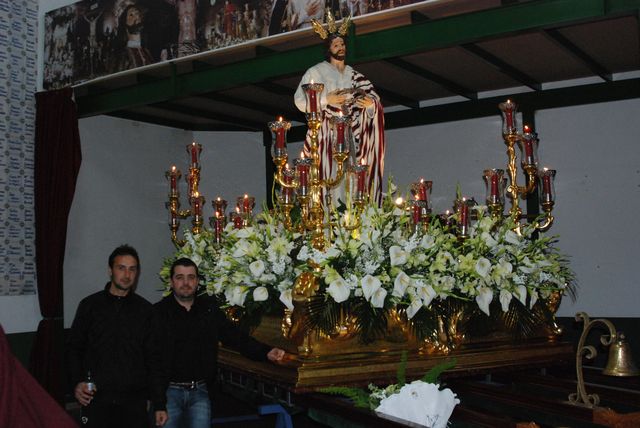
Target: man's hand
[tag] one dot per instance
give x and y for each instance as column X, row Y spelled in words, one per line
column 276, row 355
column 161, row 417
column 82, row 393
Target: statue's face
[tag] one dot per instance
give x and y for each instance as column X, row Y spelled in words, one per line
column 337, row 49
column 133, row 17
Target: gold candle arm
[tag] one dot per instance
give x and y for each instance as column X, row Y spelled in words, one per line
column 581, row 397
column 280, row 180
column 332, row 183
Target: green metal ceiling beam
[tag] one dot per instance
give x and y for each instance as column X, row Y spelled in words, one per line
column 432, row 34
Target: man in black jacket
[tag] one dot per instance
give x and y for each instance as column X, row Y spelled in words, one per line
column 110, row 342
column 187, row 330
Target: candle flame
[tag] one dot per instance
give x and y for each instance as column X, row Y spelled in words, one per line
column 311, row 81
column 280, row 119
column 173, row 168
column 363, row 162
column 218, row 199
column 238, row 210
column 340, row 113
column 217, row 213
column 399, row 200
column 421, row 180
column 527, row 129
column 302, row 155
column 196, row 195
column 447, row 212
column 246, row 196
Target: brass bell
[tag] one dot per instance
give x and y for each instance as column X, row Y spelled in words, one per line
column 620, row 362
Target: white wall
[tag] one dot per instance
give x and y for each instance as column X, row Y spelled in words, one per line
column 119, row 199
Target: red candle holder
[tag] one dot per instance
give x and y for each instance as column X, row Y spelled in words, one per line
column 462, row 209
column 341, row 135
column 279, row 129
column 219, row 207
column 495, row 183
column 359, row 188
column 195, row 150
column 528, row 147
column 286, row 193
column 312, row 91
column 421, row 190
column 245, row 204
column 303, row 166
column 547, row 179
column 508, row 109
column 173, row 175
column 217, row 224
column 196, row 204
column 236, row 218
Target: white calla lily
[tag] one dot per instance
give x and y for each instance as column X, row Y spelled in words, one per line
column 370, row 284
column 484, row 298
column 339, row 290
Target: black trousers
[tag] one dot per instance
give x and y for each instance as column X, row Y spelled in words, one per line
column 116, row 412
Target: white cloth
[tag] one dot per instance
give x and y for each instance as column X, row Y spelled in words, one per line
column 422, row 403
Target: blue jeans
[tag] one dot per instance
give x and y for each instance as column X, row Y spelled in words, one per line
column 188, row 408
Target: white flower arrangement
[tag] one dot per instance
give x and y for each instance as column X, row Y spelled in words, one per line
column 383, row 265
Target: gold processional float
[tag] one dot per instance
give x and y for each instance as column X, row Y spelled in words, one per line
column 456, row 328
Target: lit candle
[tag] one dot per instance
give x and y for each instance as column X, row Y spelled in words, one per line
column 245, row 204
column 494, row 187
column 422, row 191
column 362, row 176
column 302, row 167
column 312, row 99
column 528, row 145
column 194, row 153
column 340, row 133
column 508, row 113
column 237, row 219
column 280, row 142
column 174, row 184
column 219, row 206
column 464, row 213
column 197, row 208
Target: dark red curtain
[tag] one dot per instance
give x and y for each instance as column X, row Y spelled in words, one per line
column 57, row 162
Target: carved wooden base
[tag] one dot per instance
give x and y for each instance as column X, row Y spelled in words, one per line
column 302, row 374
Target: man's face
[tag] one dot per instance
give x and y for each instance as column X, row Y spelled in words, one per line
column 184, row 282
column 124, row 272
column 337, row 49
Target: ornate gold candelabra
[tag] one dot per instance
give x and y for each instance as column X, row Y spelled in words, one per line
column 527, row 141
column 196, row 201
column 306, row 179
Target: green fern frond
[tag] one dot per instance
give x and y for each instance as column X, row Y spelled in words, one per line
column 402, row 370
column 359, row 396
column 433, row 374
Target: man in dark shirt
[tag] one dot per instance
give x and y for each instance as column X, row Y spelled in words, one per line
column 111, row 342
column 187, row 329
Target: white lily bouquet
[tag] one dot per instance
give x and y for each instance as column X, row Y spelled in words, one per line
column 422, row 401
column 497, row 275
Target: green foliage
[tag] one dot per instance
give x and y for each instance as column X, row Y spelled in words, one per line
column 433, row 374
column 359, row 396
